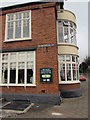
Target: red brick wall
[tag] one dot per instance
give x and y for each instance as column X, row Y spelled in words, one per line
column 43, row 32
column 43, row 29
column 0, row 32
column 69, row 86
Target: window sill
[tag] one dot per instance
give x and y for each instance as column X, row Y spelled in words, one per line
column 18, row 40
column 18, row 85
column 69, row 82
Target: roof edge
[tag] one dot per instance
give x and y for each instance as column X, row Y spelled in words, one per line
column 21, row 5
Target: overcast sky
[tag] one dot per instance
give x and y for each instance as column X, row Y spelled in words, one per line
column 80, row 9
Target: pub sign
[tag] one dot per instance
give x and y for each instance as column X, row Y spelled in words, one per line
column 45, row 74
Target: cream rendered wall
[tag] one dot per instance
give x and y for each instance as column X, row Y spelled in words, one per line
column 66, row 15
column 68, row 49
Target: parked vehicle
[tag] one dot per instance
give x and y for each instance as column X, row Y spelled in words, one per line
column 82, row 78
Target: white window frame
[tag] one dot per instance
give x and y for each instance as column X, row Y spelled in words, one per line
column 69, row 39
column 25, row 60
column 68, row 62
column 22, row 38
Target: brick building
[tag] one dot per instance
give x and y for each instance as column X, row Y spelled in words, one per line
column 38, row 53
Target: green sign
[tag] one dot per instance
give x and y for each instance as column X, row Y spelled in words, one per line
column 46, row 75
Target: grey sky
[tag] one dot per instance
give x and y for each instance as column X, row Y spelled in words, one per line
column 80, row 9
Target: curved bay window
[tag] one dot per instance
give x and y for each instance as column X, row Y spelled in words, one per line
column 68, row 68
column 66, row 32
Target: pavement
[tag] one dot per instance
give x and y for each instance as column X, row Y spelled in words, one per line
column 69, row 108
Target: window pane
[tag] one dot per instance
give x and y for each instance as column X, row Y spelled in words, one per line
column 21, row 65
column 18, row 29
column 13, row 72
column 66, row 37
column 21, row 55
column 21, row 71
column 4, row 56
column 74, row 71
column 68, row 72
column 21, row 76
column 65, row 23
column 26, row 28
column 30, row 65
column 13, row 56
column 29, row 75
column 71, row 35
column 10, row 17
column 77, row 70
column 30, row 72
column 77, row 59
column 4, row 72
column 67, row 57
column 74, row 36
column 18, row 16
column 26, row 15
column 73, row 58
column 60, row 32
column 30, row 54
column 62, row 72
column 77, row 75
column 10, row 30
column 61, row 58
column 71, row 24
column 26, row 24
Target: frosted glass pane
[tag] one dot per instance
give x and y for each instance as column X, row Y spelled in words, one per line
column 10, row 30
column 25, row 28
column 18, row 29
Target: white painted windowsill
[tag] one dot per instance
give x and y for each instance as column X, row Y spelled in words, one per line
column 69, row 82
column 16, row 40
column 18, row 85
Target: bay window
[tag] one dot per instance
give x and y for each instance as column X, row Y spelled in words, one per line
column 18, row 26
column 68, row 68
column 66, row 32
column 18, row 68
